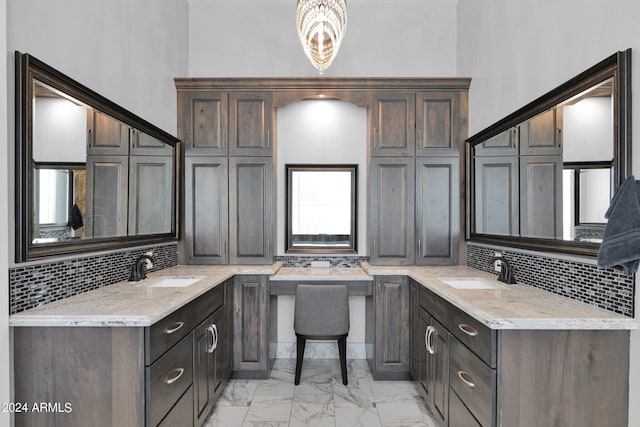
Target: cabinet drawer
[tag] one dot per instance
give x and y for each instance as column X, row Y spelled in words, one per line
column 167, row 379
column 434, row 305
column 459, row 415
column 182, row 412
column 478, row 337
column 473, row 381
column 163, row 334
column 209, row 302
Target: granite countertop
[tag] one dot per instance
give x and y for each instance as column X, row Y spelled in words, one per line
column 321, row 274
column 509, row 306
column 505, row 307
column 133, row 304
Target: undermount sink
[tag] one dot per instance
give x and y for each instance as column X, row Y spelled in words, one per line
column 470, row 283
column 175, row 281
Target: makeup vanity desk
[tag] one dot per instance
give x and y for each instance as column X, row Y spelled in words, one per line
column 284, row 282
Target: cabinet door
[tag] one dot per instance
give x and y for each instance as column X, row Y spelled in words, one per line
column 423, row 368
column 459, row 415
column 391, row 296
column 438, row 123
column 203, row 123
column 150, row 194
column 206, row 219
column 439, row 372
column 542, row 134
column 502, row 144
column 251, row 326
column 107, row 187
column 204, row 370
column 497, row 195
column 219, row 323
column 143, row 144
column 227, row 338
column 437, row 210
column 250, row 124
column 541, row 196
column 391, row 211
column 251, row 210
column 414, row 330
column 106, row 135
column 393, row 118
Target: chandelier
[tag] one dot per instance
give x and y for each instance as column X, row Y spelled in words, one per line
column 321, row 26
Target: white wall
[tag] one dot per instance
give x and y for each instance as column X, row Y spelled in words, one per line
column 5, row 370
column 128, row 51
column 384, row 38
column 59, row 131
column 516, row 51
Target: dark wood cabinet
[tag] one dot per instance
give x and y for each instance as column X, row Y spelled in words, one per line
column 203, row 123
column 505, row 143
column 151, row 190
column 391, row 210
column 472, row 375
column 393, row 129
column 253, row 327
column 542, row 134
column 251, row 210
column 107, row 196
column 440, row 122
column 250, row 124
column 541, row 196
column 437, row 210
column 106, row 136
column 388, row 332
column 206, row 221
column 161, row 375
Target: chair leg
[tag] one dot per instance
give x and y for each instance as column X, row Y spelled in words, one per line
column 300, row 342
column 342, row 349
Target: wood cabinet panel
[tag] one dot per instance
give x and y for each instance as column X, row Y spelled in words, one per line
column 107, row 191
column 393, row 117
column 498, row 209
column 438, row 123
column 251, row 326
column 206, row 221
column 251, row 210
column 142, row 144
column 203, row 122
column 389, row 351
column 459, row 415
column 437, row 210
column 502, row 144
column 542, row 134
column 106, row 135
column 541, row 196
column 250, row 124
column 151, row 194
column 391, row 210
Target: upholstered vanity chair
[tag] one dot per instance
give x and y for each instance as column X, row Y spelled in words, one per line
column 321, row 313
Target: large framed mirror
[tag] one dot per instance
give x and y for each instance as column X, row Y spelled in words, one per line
column 542, row 177
column 321, row 208
column 90, row 175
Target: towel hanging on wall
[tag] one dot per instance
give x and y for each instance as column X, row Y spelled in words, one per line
column 620, row 248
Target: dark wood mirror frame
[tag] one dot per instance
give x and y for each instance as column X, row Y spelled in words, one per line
column 616, row 67
column 27, row 69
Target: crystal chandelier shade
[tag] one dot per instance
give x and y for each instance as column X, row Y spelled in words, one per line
column 321, row 26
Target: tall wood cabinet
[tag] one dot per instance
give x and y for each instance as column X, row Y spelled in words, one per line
column 416, row 131
column 228, row 179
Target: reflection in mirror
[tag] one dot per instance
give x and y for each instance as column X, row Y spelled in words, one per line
column 321, row 208
column 91, row 175
column 548, row 171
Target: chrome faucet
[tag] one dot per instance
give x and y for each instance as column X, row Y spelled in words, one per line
column 506, row 271
column 139, row 270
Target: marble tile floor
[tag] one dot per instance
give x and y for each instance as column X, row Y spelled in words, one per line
column 320, row 400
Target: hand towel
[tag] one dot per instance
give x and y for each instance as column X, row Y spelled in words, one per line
column 620, row 247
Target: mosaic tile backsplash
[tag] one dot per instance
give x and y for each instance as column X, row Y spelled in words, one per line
column 334, row 261
column 608, row 289
column 34, row 285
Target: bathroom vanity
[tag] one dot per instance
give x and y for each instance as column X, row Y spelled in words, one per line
column 482, row 353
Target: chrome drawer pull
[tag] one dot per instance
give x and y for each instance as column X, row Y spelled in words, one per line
column 173, row 327
column 469, row 382
column 176, row 377
column 467, row 329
